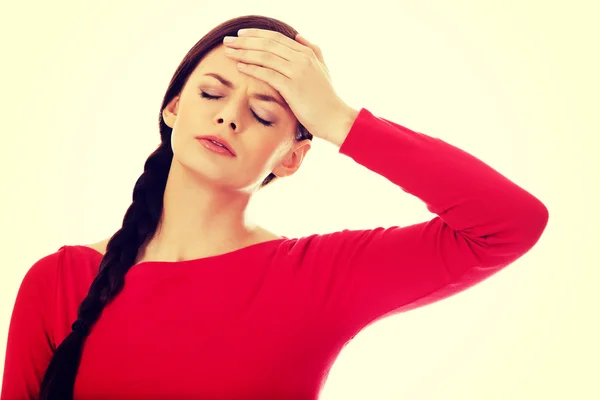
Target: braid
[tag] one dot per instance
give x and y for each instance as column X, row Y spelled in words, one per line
column 139, row 224
column 142, row 217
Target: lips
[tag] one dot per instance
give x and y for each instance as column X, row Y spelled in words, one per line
column 220, row 141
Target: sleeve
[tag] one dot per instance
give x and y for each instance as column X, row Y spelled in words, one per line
column 30, row 340
column 484, row 222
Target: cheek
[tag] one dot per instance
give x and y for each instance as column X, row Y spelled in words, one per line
column 192, row 113
column 271, row 153
column 257, row 155
column 189, row 123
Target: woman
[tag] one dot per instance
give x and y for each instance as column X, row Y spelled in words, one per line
column 188, row 301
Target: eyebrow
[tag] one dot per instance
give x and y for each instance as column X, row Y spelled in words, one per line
column 260, row 96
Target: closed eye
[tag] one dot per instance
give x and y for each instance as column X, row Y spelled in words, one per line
column 259, row 119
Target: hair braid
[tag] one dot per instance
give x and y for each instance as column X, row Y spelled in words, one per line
column 139, row 224
column 142, row 217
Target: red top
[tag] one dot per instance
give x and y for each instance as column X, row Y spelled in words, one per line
column 268, row 321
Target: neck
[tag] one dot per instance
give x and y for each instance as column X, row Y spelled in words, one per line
column 198, row 220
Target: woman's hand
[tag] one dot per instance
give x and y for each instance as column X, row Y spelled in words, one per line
column 296, row 69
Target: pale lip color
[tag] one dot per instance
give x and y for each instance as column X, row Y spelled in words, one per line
column 219, row 140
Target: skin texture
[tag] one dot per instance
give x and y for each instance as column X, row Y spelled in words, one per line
column 207, row 194
column 189, row 205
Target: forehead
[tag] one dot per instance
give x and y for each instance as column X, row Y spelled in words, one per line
column 217, row 62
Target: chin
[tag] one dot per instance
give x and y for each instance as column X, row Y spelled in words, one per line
column 212, row 173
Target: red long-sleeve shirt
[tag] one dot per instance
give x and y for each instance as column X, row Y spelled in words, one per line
column 267, row 321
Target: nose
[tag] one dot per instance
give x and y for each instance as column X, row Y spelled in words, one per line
column 232, row 124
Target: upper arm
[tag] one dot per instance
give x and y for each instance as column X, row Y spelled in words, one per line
column 30, row 336
column 368, row 274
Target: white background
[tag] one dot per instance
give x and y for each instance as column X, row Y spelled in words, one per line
column 514, row 83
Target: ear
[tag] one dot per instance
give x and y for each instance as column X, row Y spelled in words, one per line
column 290, row 164
column 169, row 114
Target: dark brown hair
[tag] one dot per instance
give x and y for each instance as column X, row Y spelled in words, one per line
column 142, row 216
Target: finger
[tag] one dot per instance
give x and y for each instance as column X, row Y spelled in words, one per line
column 260, row 58
column 317, row 50
column 276, row 36
column 271, row 77
column 313, row 46
column 265, row 45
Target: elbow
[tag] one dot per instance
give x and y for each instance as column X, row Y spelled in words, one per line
column 539, row 220
column 532, row 224
column 526, row 228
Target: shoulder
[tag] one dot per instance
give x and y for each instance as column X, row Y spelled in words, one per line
column 44, row 270
column 100, row 246
column 52, row 288
column 69, row 259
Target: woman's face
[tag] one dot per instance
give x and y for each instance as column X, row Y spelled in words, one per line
column 261, row 133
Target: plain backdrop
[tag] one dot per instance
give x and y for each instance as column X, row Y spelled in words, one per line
column 514, row 83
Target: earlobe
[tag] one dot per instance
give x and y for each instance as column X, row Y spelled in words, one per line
column 167, row 118
column 169, row 113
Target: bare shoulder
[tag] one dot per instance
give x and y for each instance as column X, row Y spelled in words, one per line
column 264, row 235
column 99, row 246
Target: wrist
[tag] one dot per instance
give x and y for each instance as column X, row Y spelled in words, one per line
column 342, row 122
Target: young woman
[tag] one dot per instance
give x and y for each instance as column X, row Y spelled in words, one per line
column 188, row 301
